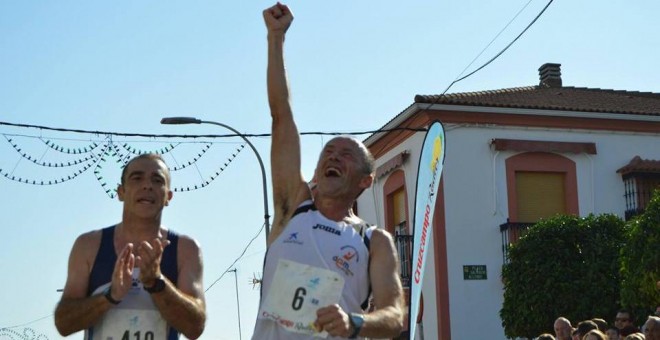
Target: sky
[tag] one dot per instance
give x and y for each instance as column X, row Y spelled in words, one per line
column 120, row 66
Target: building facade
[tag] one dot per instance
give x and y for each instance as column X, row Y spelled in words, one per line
column 513, row 156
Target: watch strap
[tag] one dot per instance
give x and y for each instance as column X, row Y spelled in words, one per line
column 108, row 295
column 159, row 286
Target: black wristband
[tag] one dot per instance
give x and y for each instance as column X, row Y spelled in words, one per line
column 108, row 296
column 159, row 286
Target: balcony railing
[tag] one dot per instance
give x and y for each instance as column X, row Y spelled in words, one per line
column 404, row 248
column 511, row 232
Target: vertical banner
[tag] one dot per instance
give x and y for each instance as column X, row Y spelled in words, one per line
column 428, row 179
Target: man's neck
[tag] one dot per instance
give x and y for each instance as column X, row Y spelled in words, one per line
column 336, row 209
column 136, row 230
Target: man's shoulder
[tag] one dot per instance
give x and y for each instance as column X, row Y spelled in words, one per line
column 187, row 243
column 90, row 237
column 381, row 238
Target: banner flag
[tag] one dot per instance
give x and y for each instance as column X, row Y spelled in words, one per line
column 429, row 171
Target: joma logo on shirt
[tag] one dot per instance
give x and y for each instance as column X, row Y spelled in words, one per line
column 327, row 228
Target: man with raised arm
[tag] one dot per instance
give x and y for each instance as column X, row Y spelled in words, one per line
column 323, row 261
column 136, row 279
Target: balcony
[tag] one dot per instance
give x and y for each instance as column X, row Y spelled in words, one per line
column 404, row 248
column 511, row 232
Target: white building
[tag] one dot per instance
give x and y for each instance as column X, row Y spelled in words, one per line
column 513, row 156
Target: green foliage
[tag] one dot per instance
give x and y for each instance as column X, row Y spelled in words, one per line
column 640, row 262
column 565, row 266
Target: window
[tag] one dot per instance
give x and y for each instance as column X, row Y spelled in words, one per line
column 640, row 178
column 539, row 185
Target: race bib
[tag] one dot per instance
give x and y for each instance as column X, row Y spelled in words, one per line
column 296, row 292
column 131, row 324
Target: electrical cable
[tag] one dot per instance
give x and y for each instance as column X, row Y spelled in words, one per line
column 238, row 258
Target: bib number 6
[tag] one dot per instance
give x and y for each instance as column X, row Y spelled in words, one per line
column 298, row 298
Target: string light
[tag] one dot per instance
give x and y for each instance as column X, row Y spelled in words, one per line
column 28, row 333
column 101, row 154
column 213, row 177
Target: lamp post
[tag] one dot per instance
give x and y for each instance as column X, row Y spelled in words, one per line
column 191, row 120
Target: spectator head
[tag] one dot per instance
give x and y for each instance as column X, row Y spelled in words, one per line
column 595, row 334
column 563, row 329
column 602, row 324
column 545, row 336
column 623, row 318
column 635, row 336
column 583, row 328
column 652, row 328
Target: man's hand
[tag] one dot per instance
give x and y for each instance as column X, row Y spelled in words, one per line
column 148, row 259
column 333, row 320
column 278, row 18
column 122, row 275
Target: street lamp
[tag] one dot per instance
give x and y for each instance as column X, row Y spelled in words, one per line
column 191, row 120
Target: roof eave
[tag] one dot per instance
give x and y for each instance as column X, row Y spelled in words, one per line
column 417, row 107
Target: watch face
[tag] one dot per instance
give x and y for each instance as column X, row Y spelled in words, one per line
column 357, row 320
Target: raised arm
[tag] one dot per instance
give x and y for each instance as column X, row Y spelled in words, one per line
column 289, row 188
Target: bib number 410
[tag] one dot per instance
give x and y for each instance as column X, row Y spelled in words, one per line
column 148, row 335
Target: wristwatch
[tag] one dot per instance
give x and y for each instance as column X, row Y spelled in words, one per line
column 159, row 285
column 108, row 295
column 356, row 320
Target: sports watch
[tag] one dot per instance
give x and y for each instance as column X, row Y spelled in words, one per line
column 356, row 320
column 158, row 286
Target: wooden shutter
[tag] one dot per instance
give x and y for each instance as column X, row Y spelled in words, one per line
column 540, row 195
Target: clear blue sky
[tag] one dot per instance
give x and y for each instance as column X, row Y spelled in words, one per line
column 122, row 65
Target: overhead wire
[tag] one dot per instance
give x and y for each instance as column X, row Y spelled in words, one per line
column 237, row 259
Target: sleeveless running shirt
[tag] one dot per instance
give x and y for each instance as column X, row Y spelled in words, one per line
column 136, row 317
column 315, row 262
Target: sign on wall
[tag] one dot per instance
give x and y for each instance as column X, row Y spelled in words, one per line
column 475, row 272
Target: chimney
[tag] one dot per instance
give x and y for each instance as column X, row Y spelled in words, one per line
column 550, row 75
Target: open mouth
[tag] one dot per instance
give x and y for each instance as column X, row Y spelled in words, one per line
column 332, row 172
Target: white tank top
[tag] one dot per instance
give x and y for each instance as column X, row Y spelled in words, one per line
column 320, row 248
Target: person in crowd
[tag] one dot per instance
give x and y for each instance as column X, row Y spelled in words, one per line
column 602, row 324
column 583, row 328
column 652, row 328
column 595, row 334
column 624, row 318
column 563, row 328
column 137, row 277
column 635, row 336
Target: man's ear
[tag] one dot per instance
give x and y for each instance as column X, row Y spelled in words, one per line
column 366, row 181
column 170, row 194
column 120, row 192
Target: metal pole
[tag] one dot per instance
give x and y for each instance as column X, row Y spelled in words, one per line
column 191, row 120
column 238, row 305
